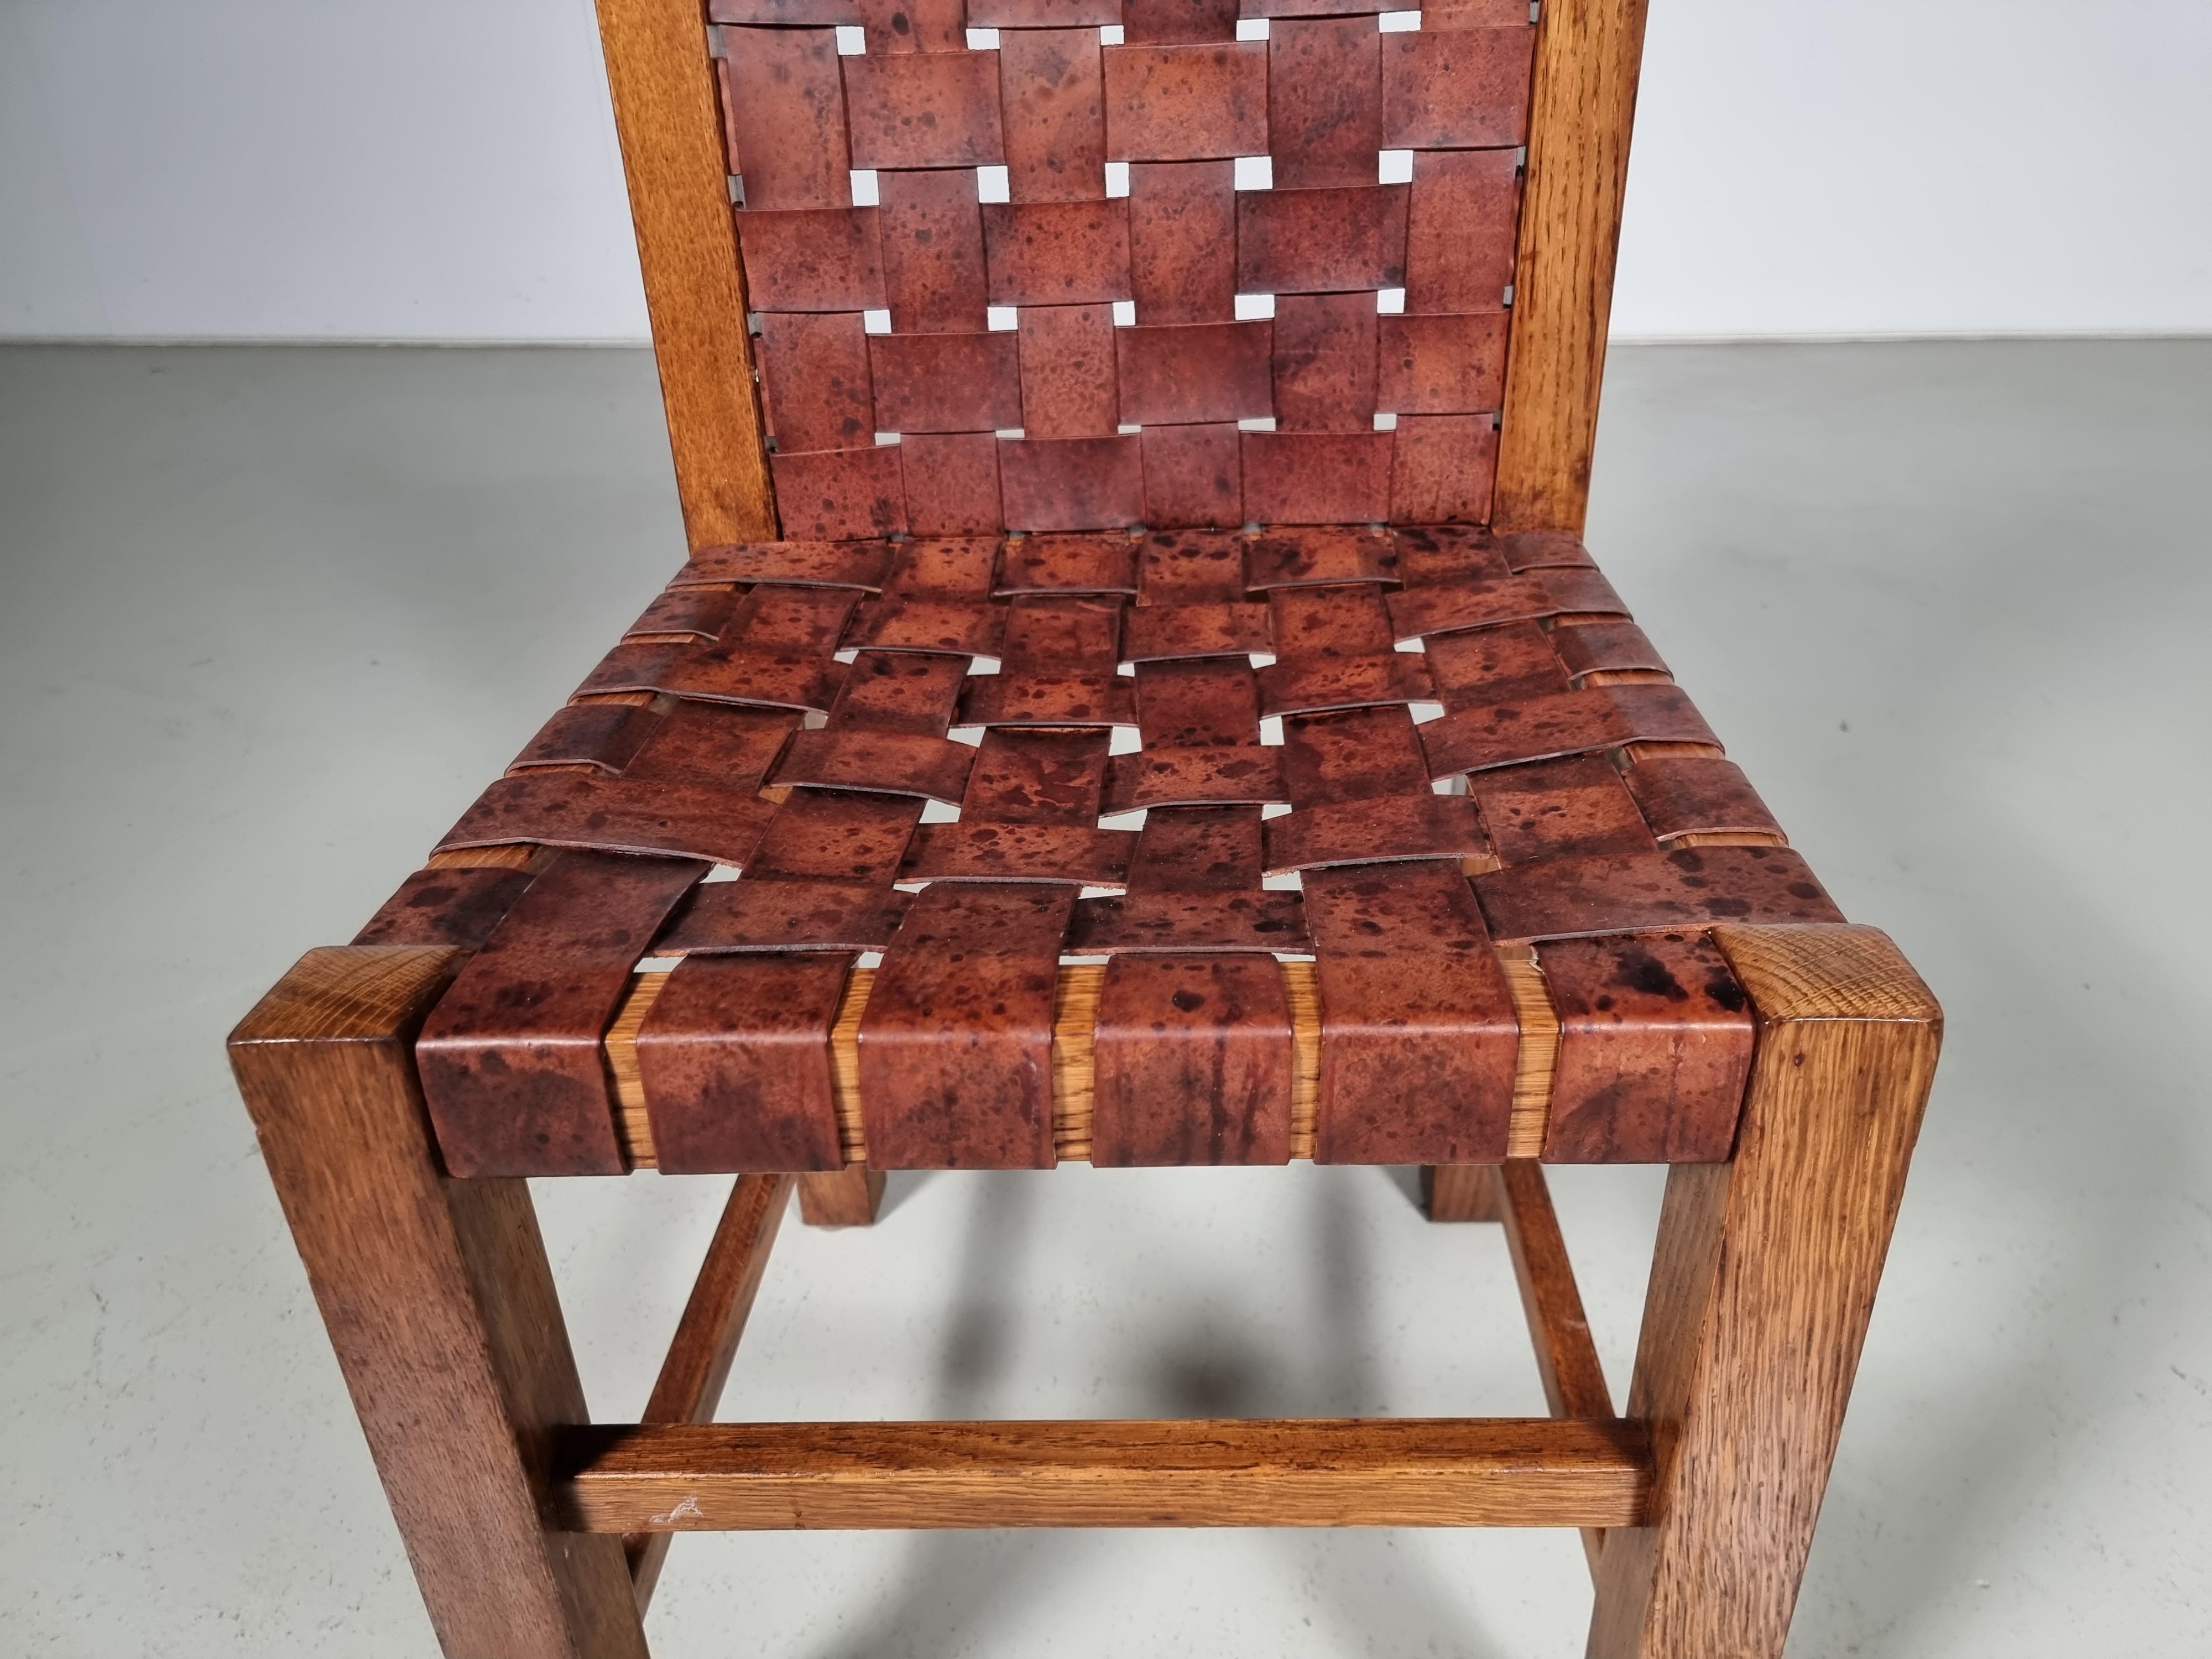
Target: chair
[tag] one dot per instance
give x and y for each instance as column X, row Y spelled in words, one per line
column 1137, row 659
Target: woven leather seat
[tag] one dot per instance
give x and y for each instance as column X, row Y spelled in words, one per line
column 1114, row 874
column 1136, row 692
column 1073, row 364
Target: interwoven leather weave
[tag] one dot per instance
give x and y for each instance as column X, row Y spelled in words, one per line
column 980, row 758
column 937, row 364
column 1251, row 688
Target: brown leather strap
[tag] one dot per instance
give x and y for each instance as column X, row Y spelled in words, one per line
column 956, row 1043
column 763, row 913
column 1419, row 1033
column 1568, row 723
column 510, row 1057
column 1637, row 892
column 1199, row 722
column 455, row 908
column 1194, row 886
column 1193, row 1061
column 1555, row 808
column 1655, row 1050
column 734, row 1055
column 660, row 800
column 1688, row 794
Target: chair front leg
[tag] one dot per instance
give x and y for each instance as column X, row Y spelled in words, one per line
column 1761, row 1287
column 441, row 1305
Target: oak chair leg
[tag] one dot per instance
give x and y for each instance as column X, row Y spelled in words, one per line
column 850, row 1197
column 1761, row 1287
column 1460, row 1192
column 440, row 1306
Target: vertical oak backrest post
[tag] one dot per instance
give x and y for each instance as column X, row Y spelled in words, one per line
column 662, row 80
column 1583, row 103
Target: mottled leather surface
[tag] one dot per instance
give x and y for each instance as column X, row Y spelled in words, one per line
column 1414, row 774
column 956, row 1043
column 1655, row 1050
column 1194, row 1060
column 454, row 909
column 1389, row 298
column 1135, row 603
column 734, row 1056
column 511, row 1062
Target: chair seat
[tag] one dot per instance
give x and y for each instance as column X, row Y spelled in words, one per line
column 1367, row 845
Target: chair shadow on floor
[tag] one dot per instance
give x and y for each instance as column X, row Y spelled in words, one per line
column 954, row 1587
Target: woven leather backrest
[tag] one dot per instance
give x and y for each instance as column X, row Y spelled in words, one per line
column 1080, row 265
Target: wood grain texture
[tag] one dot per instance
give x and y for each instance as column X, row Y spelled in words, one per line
column 1321, row 1473
column 1469, row 1191
column 440, row 1304
column 662, row 83
column 1761, row 1286
column 1538, row 1060
column 1584, row 101
column 1574, row 1383
column 698, row 1362
column 849, row 1198
column 1461, row 1192
column 517, row 855
column 1074, row 1021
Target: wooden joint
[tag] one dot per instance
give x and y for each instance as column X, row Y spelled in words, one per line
column 1322, row 1473
column 1516, row 1194
column 1764, row 1274
column 1826, row 971
column 350, row 993
column 698, row 1363
column 1566, row 1358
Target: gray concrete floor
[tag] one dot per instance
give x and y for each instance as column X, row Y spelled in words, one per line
column 271, row 616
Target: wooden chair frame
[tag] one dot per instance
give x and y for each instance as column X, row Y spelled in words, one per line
column 532, row 1531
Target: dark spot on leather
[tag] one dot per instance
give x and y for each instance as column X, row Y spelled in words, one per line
column 1639, row 970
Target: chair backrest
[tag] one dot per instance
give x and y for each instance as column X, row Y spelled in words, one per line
column 1075, row 264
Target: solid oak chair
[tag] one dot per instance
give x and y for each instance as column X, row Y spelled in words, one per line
column 1137, row 658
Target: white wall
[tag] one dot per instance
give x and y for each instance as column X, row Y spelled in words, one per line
column 1948, row 166
column 409, row 169
column 446, row 170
